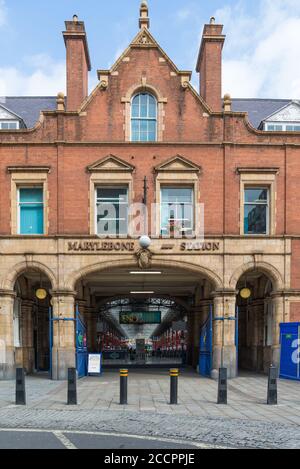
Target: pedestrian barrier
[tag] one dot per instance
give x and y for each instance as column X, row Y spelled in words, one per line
column 222, row 386
column 174, row 373
column 272, row 385
column 20, row 387
column 72, row 386
column 123, row 387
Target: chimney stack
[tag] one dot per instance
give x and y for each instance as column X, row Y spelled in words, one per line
column 209, row 65
column 78, row 63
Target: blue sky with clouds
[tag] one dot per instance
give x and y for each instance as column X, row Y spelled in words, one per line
column 261, row 54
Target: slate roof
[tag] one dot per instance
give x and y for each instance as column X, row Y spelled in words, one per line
column 258, row 109
column 29, row 107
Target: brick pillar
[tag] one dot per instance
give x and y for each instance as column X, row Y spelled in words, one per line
column 224, row 348
column 63, row 350
column 278, row 317
column 7, row 350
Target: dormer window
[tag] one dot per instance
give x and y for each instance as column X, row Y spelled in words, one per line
column 9, row 125
column 282, row 127
column 144, row 118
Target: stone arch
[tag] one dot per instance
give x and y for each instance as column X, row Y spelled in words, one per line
column 143, row 87
column 157, row 263
column 264, row 267
column 8, row 280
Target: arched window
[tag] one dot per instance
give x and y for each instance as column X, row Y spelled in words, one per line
column 143, row 118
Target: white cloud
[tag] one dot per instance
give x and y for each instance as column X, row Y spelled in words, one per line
column 262, row 54
column 46, row 78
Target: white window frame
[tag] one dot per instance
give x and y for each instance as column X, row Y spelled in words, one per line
column 267, row 204
column 10, row 122
column 177, row 186
column 36, row 186
column 144, row 118
column 284, row 126
column 99, row 186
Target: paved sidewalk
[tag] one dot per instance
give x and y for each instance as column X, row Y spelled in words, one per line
column 245, row 421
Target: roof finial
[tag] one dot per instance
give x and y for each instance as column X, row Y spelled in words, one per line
column 212, row 20
column 144, row 21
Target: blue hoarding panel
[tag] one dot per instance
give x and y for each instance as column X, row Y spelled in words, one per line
column 290, row 351
column 205, row 356
column 81, row 347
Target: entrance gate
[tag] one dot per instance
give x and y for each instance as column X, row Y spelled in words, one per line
column 206, row 342
column 81, row 346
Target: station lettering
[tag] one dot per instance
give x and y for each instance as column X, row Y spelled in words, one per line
column 200, row 246
column 95, row 246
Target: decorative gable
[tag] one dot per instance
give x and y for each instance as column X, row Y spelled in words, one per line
column 289, row 113
column 111, row 164
column 5, row 114
column 178, row 164
column 144, row 38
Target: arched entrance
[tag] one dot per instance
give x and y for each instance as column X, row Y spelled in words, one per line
column 145, row 318
column 258, row 322
column 31, row 305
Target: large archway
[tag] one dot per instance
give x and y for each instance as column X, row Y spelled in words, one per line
column 150, row 317
column 255, row 321
column 31, row 337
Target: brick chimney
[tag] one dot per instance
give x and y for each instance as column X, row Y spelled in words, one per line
column 209, row 65
column 78, row 63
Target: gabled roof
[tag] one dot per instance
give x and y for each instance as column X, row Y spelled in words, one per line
column 258, row 109
column 288, row 113
column 28, row 108
column 144, row 39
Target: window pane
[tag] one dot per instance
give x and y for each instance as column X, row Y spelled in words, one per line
column 177, row 195
column 4, row 126
column 31, row 195
column 152, row 107
column 112, row 211
column 143, row 114
column 255, row 221
column 176, row 210
column 31, row 219
column 31, row 211
column 256, row 195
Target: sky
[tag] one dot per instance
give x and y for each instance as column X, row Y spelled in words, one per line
column 261, row 56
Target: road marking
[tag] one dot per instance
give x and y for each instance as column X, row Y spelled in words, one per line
column 64, row 440
column 60, row 434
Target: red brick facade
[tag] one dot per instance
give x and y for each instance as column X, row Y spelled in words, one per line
column 91, row 128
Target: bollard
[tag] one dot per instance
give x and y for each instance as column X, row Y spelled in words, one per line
column 222, row 386
column 174, row 373
column 272, row 385
column 20, row 387
column 72, row 386
column 123, row 387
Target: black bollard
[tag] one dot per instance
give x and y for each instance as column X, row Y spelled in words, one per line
column 20, row 387
column 272, row 385
column 174, row 373
column 72, row 386
column 222, row 386
column 123, row 387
